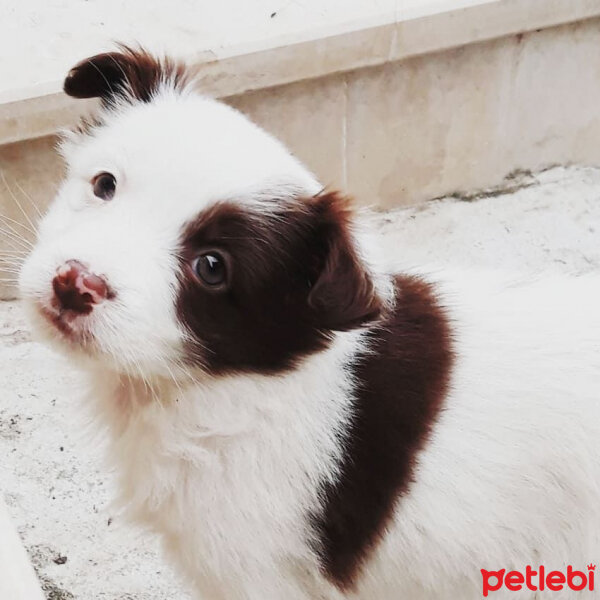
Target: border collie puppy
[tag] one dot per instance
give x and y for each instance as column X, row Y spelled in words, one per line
column 294, row 421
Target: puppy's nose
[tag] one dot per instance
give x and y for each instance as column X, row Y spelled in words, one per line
column 78, row 289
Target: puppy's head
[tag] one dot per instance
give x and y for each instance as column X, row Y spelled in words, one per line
column 185, row 235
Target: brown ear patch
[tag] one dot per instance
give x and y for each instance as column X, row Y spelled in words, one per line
column 294, row 277
column 128, row 73
column 400, row 384
column 343, row 295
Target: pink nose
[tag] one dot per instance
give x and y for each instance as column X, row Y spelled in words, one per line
column 78, row 289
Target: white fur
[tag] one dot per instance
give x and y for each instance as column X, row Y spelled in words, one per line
column 511, row 475
column 225, row 469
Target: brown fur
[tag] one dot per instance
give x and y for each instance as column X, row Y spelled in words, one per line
column 131, row 74
column 401, row 383
column 293, row 278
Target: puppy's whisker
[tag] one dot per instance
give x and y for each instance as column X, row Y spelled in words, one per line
column 25, row 244
column 9, row 227
column 22, row 225
column 15, row 259
column 16, row 248
column 16, row 200
column 174, row 379
column 12, row 253
column 31, row 201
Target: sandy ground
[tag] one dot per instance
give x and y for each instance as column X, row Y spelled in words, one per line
column 52, row 476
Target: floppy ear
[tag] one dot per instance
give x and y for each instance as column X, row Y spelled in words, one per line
column 343, row 295
column 100, row 76
column 128, row 73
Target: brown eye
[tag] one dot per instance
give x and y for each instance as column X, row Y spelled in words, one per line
column 210, row 268
column 104, row 185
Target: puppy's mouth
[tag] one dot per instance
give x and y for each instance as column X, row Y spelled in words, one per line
column 68, row 323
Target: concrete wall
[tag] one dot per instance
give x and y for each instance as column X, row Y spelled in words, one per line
column 457, row 120
column 400, row 133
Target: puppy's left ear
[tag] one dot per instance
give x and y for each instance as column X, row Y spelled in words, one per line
column 343, row 296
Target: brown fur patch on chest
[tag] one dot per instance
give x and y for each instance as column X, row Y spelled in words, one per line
column 400, row 386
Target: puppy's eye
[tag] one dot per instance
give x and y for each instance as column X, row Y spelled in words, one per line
column 210, row 268
column 104, row 185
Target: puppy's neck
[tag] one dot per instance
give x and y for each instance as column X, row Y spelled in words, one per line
column 229, row 404
column 290, row 424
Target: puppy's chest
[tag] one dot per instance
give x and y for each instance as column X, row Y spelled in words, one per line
column 225, row 491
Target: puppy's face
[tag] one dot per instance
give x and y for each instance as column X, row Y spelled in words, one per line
column 184, row 235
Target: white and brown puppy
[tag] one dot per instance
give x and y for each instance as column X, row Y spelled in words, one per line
column 295, row 422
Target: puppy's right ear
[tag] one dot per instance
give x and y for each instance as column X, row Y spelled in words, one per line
column 100, row 76
column 131, row 73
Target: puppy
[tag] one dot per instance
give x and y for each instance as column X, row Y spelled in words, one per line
column 294, row 421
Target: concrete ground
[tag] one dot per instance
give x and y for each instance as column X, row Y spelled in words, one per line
column 52, row 476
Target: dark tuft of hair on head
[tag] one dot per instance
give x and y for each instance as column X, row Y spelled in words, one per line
column 127, row 74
